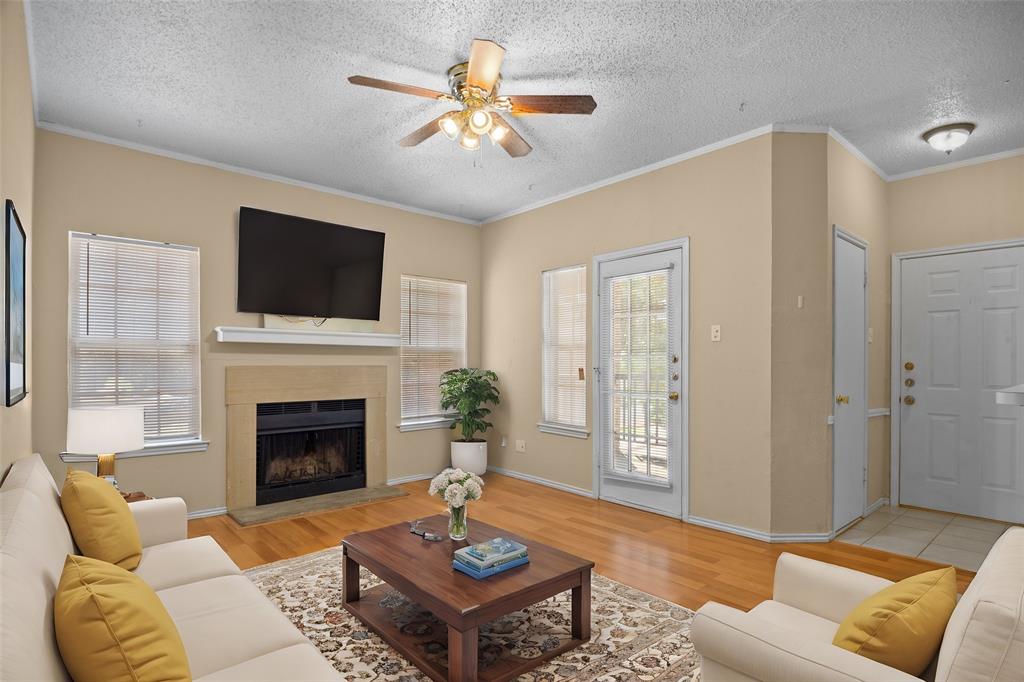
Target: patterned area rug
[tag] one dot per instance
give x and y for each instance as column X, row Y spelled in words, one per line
column 635, row 636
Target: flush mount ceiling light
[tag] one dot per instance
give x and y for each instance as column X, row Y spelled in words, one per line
column 474, row 86
column 948, row 137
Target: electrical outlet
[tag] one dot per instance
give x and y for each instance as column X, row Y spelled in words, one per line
column 799, row 301
column 504, row 441
column 716, row 332
column 871, row 335
column 520, row 446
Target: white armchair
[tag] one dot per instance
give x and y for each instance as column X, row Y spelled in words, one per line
column 789, row 638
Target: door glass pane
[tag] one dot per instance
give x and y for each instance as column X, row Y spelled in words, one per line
column 638, row 348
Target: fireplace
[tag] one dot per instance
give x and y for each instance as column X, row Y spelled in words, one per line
column 309, row 448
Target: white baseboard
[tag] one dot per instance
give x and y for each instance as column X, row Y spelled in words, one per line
column 541, row 481
column 203, row 513
column 762, row 535
column 876, row 505
column 410, row 478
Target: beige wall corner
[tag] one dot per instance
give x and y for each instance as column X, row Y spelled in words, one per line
column 857, row 203
column 17, row 168
column 721, row 201
column 86, row 185
column 801, row 341
column 967, row 205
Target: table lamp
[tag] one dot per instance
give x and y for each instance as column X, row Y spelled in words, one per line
column 104, row 431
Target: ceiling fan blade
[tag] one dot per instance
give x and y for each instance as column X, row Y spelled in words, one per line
column 552, row 104
column 422, row 133
column 397, row 87
column 485, row 57
column 512, row 142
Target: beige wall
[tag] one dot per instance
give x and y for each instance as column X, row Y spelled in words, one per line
column 721, row 201
column 857, row 203
column 801, row 341
column 85, row 185
column 17, row 157
column 966, row 205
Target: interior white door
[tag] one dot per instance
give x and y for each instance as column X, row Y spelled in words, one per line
column 641, row 404
column 849, row 378
column 962, row 338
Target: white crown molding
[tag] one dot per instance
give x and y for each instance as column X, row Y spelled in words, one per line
column 848, row 146
column 95, row 137
column 1010, row 153
column 29, row 42
column 642, row 170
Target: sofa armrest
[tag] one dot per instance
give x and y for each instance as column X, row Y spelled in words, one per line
column 825, row 590
column 159, row 521
column 765, row 651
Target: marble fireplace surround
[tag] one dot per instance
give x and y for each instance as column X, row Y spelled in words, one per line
column 246, row 386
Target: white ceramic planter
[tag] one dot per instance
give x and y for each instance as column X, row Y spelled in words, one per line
column 471, row 457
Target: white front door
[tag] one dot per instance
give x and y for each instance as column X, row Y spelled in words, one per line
column 849, row 379
column 962, row 338
column 641, row 403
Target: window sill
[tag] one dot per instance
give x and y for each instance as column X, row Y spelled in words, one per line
column 563, row 430
column 424, row 424
column 173, row 448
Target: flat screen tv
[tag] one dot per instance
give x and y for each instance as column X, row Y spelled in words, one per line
column 297, row 266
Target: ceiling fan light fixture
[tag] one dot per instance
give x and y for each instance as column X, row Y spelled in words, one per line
column 450, row 126
column 948, row 137
column 469, row 141
column 480, row 122
column 498, row 133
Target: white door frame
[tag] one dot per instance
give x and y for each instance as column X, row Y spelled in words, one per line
column 895, row 384
column 839, row 233
column 683, row 243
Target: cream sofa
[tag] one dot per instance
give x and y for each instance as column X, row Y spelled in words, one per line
column 231, row 631
column 789, row 638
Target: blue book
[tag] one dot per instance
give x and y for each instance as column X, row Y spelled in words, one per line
column 486, row 573
column 492, row 550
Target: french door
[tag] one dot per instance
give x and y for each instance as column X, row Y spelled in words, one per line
column 961, row 340
column 641, row 401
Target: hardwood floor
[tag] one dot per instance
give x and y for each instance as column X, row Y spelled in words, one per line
column 677, row 561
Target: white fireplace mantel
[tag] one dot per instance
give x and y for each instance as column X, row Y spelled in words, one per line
column 308, row 337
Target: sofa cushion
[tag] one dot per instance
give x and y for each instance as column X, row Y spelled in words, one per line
column 111, row 626
column 902, row 625
column 100, row 520
column 984, row 640
column 226, row 621
column 295, row 663
column 809, row 626
column 184, row 561
column 34, row 542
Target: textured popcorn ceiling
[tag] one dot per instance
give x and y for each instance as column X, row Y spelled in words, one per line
column 261, row 85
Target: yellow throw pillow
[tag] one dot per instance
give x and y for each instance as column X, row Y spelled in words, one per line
column 111, row 626
column 100, row 521
column 902, row 626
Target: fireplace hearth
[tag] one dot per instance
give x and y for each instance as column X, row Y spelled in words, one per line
column 309, row 448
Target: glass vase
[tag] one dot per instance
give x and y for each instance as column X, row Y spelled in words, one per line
column 458, row 525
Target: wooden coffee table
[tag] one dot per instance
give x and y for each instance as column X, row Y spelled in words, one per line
column 423, row 572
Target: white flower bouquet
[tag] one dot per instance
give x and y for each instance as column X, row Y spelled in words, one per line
column 457, row 487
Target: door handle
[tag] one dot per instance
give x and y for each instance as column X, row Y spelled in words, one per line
column 842, row 399
column 909, row 366
column 674, row 395
column 909, row 400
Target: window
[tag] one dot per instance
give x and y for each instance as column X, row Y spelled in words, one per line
column 563, row 370
column 433, row 341
column 133, row 328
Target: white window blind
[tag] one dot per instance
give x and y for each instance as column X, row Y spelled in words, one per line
column 433, row 341
column 133, row 328
column 563, row 382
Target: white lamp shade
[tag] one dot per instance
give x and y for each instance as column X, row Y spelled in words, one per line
column 102, row 430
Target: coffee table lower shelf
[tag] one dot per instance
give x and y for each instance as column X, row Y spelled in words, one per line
column 379, row 619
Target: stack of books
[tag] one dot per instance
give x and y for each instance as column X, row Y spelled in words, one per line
column 490, row 558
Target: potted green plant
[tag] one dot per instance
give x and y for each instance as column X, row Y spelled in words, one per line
column 466, row 392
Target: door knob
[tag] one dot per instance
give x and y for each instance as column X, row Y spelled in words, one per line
column 674, row 395
column 909, row 366
column 909, row 400
column 908, row 383
column 842, row 399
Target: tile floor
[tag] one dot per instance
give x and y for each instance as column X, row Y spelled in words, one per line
column 962, row 541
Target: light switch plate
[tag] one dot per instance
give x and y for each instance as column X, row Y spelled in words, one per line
column 871, row 334
column 520, row 446
column 716, row 332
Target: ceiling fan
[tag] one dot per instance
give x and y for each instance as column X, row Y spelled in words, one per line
column 474, row 86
